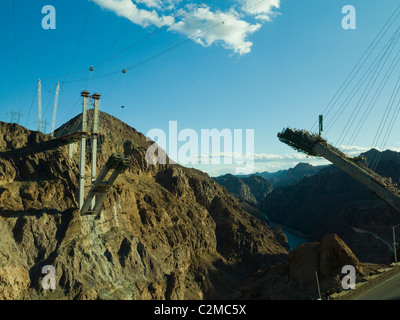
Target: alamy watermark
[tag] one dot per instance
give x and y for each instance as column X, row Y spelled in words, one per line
column 49, row 281
column 349, row 20
column 196, row 147
column 49, row 20
column 349, row 280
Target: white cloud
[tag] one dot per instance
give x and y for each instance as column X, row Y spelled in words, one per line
column 206, row 25
column 356, row 150
column 232, row 33
column 262, row 10
column 127, row 9
column 158, row 4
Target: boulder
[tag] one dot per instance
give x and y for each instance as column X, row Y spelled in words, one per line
column 304, row 261
column 327, row 258
column 335, row 254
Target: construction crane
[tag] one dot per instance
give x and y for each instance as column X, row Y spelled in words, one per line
column 315, row 145
column 53, row 122
column 40, row 105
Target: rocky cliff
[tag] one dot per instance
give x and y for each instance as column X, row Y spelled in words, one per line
column 250, row 191
column 165, row 231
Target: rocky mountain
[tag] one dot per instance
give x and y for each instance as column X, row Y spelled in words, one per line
column 290, row 176
column 333, row 202
column 165, row 231
column 252, row 189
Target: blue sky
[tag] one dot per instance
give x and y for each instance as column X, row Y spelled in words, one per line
column 271, row 68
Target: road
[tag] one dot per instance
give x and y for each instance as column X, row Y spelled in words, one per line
column 389, row 289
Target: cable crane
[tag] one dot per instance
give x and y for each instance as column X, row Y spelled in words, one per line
column 40, row 105
column 53, row 123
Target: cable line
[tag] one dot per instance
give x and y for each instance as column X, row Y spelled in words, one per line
column 358, row 66
column 374, row 100
column 16, row 56
column 368, row 89
column 161, row 53
column 372, row 68
column 79, row 42
column 128, row 47
column 150, row 34
column 30, row 109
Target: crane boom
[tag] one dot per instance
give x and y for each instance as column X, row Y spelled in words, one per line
column 40, row 105
column 315, row 145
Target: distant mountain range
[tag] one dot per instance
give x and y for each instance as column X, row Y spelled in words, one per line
column 254, row 188
column 291, row 176
column 251, row 190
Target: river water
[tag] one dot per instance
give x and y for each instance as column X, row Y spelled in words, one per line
column 295, row 238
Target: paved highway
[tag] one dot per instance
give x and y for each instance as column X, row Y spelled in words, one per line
column 387, row 290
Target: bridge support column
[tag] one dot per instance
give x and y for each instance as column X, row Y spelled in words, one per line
column 82, row 155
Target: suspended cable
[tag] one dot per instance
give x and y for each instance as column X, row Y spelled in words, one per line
column 392, row 121
column 76, row 49
column 374, row 100
column 161, row 53
column 73, row 108
column 128, row 21
column 329, row 107
column 387, row 110
column 385, row 115
column 372, row 67
column 48, row 104
column 78, row 44
column 128, row 47
column 30, row 109
column 368, row 89
column 16, row 56
column 150, row 34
